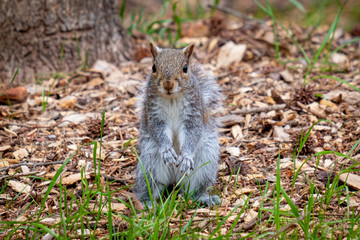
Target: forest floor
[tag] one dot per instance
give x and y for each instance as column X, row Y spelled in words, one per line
column 268, row 110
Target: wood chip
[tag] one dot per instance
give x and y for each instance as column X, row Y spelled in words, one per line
column 280, row 133
column 286, row 75
column 17, row 94
column 21, row 154
column 259, row 109
column 117, row 207
column 234, row 151
column 5, row 148
column 351, row 180
column 74, row 178
column 19, row 187
column 230, row 120
column 244, row 190
column 236, row 132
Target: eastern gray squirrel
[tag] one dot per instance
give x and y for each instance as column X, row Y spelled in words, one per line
column 177, row 131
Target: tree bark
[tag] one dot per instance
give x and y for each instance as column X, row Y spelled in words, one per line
column 33, row 33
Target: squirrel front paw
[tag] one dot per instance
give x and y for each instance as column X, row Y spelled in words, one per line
column 187, row 163
column 169, row 155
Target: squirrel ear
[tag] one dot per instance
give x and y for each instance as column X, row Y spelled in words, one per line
column 154, row 49
column 189, row 50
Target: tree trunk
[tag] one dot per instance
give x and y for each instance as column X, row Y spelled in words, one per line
column 33, row 33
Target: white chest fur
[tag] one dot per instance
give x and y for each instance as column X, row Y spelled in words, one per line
column 173, row 114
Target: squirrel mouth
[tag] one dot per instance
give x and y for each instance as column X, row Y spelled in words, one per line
column 169, row 94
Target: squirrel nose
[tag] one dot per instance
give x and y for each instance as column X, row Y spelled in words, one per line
column 168, row 84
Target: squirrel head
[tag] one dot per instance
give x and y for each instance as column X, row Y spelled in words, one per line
column 171, row 70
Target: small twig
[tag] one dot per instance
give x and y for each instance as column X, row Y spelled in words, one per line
column 251, row 224
column 128, row 163
column 259, row 109
column 109, row 178
column 234, row 13
column 31, row 164
column 38, row 126
column 226, row 74
column 19, row 175
column 121, row 138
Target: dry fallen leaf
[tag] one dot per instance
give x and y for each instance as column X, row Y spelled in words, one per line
column 234, row 151
column 250, row 216
column 230, row 53
column 280, row 133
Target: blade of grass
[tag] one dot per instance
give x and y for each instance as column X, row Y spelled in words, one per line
column 13, row 78
column 278, row 190
column 146, row 178
column 337, row 79
column 110, row 223
column 52, row 183
column 298, row 5
column 327, row 57
column 293, row 208
column 238, row 218
column 122, row 10
column 330, row 33
column 216, row 230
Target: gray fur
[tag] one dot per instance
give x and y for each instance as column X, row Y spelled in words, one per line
column 178, row 134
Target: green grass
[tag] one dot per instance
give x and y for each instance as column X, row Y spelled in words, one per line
column 83, row 60
column 7, row 87
column 57, row 75
column 157, row 26
column 160, row 26
column 45, row 97
column 323, row 50
column 82, row 213
column 12, row 80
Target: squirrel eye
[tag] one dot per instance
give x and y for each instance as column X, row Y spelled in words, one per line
column 154, row 68
column 185, row 68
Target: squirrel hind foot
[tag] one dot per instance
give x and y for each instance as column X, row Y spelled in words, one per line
column 209, row 200
column 148, row 205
